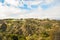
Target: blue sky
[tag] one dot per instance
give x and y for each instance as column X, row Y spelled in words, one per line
column 30, row 9
column 2, row 1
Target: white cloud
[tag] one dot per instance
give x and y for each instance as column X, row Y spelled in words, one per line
column 12, row 2
column 48, row 1
column 6, row 12
column 52, row 13
column 12, row 12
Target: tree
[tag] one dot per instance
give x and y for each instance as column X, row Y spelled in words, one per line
column 3, row 27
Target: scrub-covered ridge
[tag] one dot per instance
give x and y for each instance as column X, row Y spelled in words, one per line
column 28, row 29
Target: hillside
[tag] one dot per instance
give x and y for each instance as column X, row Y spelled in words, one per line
column 28, row 29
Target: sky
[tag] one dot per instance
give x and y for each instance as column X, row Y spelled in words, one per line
column 30, row 9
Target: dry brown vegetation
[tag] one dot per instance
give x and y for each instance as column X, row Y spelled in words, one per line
column 28, row 29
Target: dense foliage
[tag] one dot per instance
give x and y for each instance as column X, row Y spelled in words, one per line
column 27, row 29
